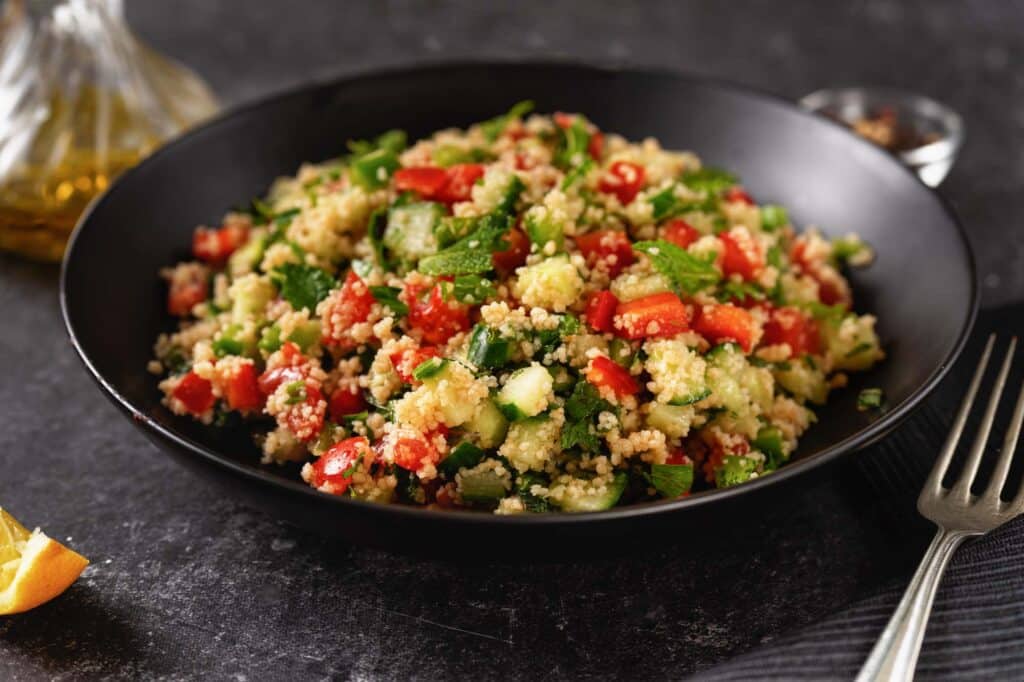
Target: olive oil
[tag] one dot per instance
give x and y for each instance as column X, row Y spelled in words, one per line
column 82, row 108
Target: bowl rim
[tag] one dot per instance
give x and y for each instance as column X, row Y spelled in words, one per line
column 862, row 438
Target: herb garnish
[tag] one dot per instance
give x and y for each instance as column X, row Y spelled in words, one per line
column 686, row 272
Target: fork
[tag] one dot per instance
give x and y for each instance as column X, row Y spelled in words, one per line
column 959, row 515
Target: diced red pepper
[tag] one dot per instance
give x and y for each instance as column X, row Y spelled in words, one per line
column 657, row 315
column 741, row 255
column 188, row 287
column 600, row 313
column 677, row 231
column 344, row 401
column 407, row 360
column 737, row 194
column 726, row 322
column 459, row 183
column 349, row 305
column 793, row 327
column 195, row 393
column 604, row 372
column 413, row 453
column 624, row 180
column 242, row 390
column 515, row 255
column 333, row 470
column 596, row 145
column 437, row 318
column 678, row 456
column 612, row 247
column 305, row 419
column 424, row 180
column 215, row 245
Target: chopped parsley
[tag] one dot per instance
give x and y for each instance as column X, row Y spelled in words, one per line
column 493, row 128
column 686, row 272
column 581, row 408
column 388, row 296
column 710, row 180
column 572, row 147
column 303, row 286
column 296, row 391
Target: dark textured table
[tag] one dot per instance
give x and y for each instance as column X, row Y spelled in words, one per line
column 185, row 582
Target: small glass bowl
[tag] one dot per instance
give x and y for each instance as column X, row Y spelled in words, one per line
column 931, row 161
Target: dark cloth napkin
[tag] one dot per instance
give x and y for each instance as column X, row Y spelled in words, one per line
column 976, row 630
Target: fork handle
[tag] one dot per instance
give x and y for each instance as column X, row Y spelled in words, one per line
column 895, row 654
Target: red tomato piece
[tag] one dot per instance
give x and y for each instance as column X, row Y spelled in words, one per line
column 215, row 245
column 624, row 180
column 652, row 316
column 188, row 287
column 604, row 372
column 726, row 322
column 305, row 419
column 413, row 453
column 741, row 255
column 792, row 326
column 242, row 390
column 424, row 180
column 677, row 231
column 343, row 308
column 272, row 378
column 678, row 456
column 406, row 361
column 563, row 120
column 596, row 145
column 515, row 255
column 600, row 313
column 737, row 194
column 195, row 393
column 344, row 401
column 459, row 183
column 613, row 247
column 333, row 470
column 438, row 319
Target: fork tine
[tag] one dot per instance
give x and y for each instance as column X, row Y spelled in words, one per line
column 962, row 489
column 1006, row 457
column 934, row 482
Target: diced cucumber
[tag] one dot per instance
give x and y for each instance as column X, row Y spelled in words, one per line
column 489, row 425
column 674, row 421
column 726, row 366
column 487, row 348
column 374, row 169
column 598, row 501
column 803, row 380
column 235, row 339
column 531, row 443
column 482, row 486
column 735, row 470
column 306, row 334
column 251, row 294
column 244, row 260
column 429, row 368
column 526, row 393
column 770, row 442
column 410, row 230
column 270, row 339
column 541, row 228
column 553, row 284
column 621, row 351
column 677, row 368
column 465, row 455
column 629, row 286
column 449, row 380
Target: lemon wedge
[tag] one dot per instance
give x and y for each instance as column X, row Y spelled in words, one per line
column 33, row 567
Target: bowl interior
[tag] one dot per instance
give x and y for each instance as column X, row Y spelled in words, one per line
column 921, row 286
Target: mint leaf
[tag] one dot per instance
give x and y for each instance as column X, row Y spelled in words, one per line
column 688, row 273
column 472, row 289
column 572, row 147
column 470, row 254
column 303, row 286
column 672, row 480
column 666, row 204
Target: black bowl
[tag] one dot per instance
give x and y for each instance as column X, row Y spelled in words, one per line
column 922, row 285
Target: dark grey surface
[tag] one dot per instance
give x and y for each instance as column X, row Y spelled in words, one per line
column 185, row 582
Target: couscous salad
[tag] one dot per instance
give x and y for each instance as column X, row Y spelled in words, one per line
column 526, row 316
